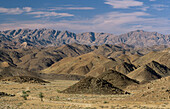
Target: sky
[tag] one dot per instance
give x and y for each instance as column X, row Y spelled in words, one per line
column 108, row 16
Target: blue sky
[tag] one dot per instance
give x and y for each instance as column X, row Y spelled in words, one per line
column 109, row 16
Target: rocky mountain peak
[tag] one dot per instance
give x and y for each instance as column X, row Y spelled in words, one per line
column 45, row 37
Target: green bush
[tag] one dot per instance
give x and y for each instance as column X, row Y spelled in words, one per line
column 41, row 96
column 24, row 95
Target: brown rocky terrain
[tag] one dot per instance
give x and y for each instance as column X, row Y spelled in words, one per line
column 161, row 57
column 82, row 60
column 117, row 79
column 5, row 57
column 132, row 73
column 144, row 74
column 92, row 85
column 159, row 68
column 39, row 58
column 150, row 71
column 124, row 68
column 36, row 59
column 88, row 64
column 6, row 71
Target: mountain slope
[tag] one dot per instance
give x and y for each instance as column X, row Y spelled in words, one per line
column 92, row 85
column 7, row 71
column 159, row 68
column 124, row 68
column 142, row 38
column 162, row 57
column 89, row 64
column 143, row 74
column 117, row 79
column 26, row 38
column 150, row 71
column 35, row 59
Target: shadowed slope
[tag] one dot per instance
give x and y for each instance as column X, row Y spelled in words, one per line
column 36, row 59
column 6, row 71
column 92, row 85
column 117, row 79
column 162, row 57
column 143, row 74
column 125, row 68
column 159, row 68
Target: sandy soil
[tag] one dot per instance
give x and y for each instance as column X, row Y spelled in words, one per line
column 55, row 100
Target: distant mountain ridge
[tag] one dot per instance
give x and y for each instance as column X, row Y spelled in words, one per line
column 22, row 38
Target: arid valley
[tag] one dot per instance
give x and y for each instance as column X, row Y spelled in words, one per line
column 48, row 69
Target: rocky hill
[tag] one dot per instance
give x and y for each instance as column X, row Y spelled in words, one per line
column 144, row 74
column 150, row 71
column 26, row 38
column 117, row 79
column 92, row 85
column 34, row 59
column 87, row 64
column 163, row 57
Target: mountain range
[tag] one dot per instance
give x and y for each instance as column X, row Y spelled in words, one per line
column 26, row 38
column 51, row 54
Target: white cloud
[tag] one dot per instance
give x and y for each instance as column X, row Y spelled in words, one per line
column 114, row 22
column 159, row 7
column 144, row 8
column 71, row 8
column 80, row 8
column 49, row 14
column 111, row 22
column 15, row 10
column 152, row 0
column 123, row 3
column 27, row 9
column 11, row 10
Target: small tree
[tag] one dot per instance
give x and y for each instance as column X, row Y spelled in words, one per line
column 24, row 95
column 41, row 96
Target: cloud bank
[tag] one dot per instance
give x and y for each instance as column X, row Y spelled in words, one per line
column 15, row 10
column 71, row 8
column 113, row 22
column 123, row 3
column 50, row 14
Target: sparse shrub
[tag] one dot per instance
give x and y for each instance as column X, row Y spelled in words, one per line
column 105, row 102
column 19, row 104
column 57, row 98
column 28, row 91
column 58, row 91
column 24, row 95
column 41, row 96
